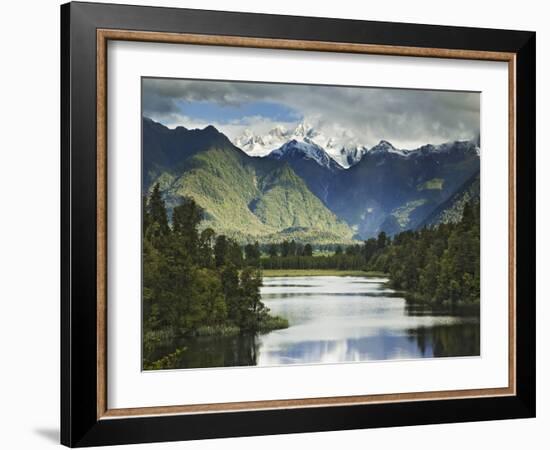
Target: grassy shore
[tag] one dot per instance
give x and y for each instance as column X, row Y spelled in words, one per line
column 267, row 323
column 319, row 273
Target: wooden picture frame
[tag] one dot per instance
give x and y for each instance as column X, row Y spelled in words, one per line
column 86, row 418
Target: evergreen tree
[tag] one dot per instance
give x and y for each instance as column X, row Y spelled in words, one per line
column 206, row 247
column 230, row 287
column 252, row 310
column 285, row 249
column 208, row 298
column 272, row 251
column 157, row 212
column 185, row 221
column 292, row 248
column 382, row 240
column 220, row 250
column 252, row 254
column 249, row 253
column 370, row 247
column 146, row 216
column 234, row 253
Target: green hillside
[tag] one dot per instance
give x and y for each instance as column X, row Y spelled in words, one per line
column 248, row 199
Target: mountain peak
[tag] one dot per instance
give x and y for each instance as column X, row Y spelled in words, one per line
column 304, row 149
column 263, row 144
column 211, row 129
column 384, row 145
column 303, row 129
column 150, row 123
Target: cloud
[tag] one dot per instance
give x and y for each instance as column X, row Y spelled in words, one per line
column 232, row 129
column 406, row 117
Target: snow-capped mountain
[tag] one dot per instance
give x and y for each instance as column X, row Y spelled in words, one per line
column 384, row 147
column 349, row 156
column 342, row 149
column 448, row 147
column 455, row 147
column 305, row 149
column 262, row 145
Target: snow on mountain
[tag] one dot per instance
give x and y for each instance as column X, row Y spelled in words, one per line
column 457, row 147
column 386, row 147
column 256, row 145
column 349, row 156
column 344, row 149
column 261, row 145
column 447, row 147
column 304, row 149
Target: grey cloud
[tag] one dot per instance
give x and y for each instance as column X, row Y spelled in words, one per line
column 405, row 117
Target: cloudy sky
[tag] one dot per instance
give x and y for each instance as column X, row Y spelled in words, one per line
column 406, row 118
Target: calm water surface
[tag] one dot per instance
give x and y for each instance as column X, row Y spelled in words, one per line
column 338, row 319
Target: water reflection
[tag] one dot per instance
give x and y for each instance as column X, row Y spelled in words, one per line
column 454, row 340
column 218, row 351
column 337, row 319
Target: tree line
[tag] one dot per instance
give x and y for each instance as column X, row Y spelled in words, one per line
column 440, row 265
column 195, row 282
column 292, row 255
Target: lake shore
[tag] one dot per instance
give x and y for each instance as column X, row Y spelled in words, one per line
column 266, row 324
column 267, row 273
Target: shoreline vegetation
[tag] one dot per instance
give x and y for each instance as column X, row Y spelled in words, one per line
column 199, row 283
column 269, row 273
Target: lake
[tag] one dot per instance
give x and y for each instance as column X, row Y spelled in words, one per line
column 338, row 319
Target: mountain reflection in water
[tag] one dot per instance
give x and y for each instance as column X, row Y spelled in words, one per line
column 334, row 320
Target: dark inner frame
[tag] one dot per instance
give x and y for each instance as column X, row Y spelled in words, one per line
column 79, row 423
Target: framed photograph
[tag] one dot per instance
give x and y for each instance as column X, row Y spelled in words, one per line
column 276, row 224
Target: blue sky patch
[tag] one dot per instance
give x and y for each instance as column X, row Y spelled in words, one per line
column 215, row 112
